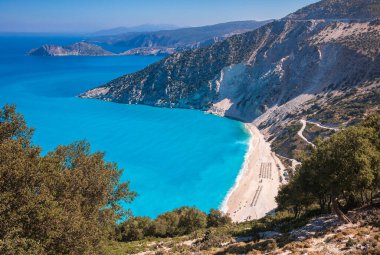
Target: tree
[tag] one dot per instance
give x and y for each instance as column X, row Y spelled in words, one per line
column 190, row 219
column 345, row 163
column 165, row 225
column 217, row 219
column 373, row 123
column 13, row 125
column 338, row 168
column 134, row 229
column 61, row 203
column 293, row 196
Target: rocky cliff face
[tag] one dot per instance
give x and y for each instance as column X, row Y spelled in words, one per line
column 269, row 75
column 76, row 49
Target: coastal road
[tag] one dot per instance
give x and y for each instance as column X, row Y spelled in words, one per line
column 300, row 133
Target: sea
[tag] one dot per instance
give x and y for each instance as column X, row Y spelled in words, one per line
column 172, row 157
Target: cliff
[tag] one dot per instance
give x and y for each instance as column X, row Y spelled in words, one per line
column 302, row 66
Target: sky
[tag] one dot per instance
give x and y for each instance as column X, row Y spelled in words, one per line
column 77, row 16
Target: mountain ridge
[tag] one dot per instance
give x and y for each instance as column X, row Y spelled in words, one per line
column 284, row 70
column 139, row 28
column 191, row 37
column 163, row 42
column 339, row 9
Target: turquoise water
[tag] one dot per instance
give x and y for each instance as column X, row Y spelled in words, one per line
column 172, row 157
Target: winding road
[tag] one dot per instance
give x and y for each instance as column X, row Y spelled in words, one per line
column 304, row 122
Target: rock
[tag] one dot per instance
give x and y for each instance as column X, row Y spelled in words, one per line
column 269, row 234
column 149, row 51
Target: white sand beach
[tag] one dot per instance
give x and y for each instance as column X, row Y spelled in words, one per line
column 253, row 194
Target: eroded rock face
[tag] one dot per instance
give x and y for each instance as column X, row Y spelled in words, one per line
column 76, row 49
column 266, row 74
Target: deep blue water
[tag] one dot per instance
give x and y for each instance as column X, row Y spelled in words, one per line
column 172, row 157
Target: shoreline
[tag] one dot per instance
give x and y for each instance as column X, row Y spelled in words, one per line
column 253, row 194
column 224, row 204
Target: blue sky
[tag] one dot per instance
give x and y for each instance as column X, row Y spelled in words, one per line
column 92, row 15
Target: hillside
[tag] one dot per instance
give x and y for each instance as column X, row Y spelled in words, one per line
column 339, row 9
column 271, row 235
column 327, row 70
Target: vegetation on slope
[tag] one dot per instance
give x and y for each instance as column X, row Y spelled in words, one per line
column 345, row 108
column 68, row 202
column 279, row 234
column 60, row 203
column 342, row 170
column 179, row 222
column 288, row 143
column 313, row 132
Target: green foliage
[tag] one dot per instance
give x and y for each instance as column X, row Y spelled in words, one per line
column 61, row 203
column 165, row 225
column 179, row 222
column 287, row 143
column 217, row 219
column 342, row 168
column 13, row 125
column 350, row 107
column 213, row 238
column 190, row 219
column 134, row 229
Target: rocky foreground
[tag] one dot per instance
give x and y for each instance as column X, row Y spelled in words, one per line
column 320, row 235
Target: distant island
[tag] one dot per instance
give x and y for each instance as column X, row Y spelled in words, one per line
column 89, row 49
column 76, row 49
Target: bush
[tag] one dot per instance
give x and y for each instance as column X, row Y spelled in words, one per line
column 346, row 163
column 165, row 225
column 190, row 220
column 134, row 229
column 181, row 221
column 213, row 238
column 217, row 219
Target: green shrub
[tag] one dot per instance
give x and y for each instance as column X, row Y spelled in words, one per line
column 134, row 229
column 190, row 219
column 165, row 225
column 217, row 219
